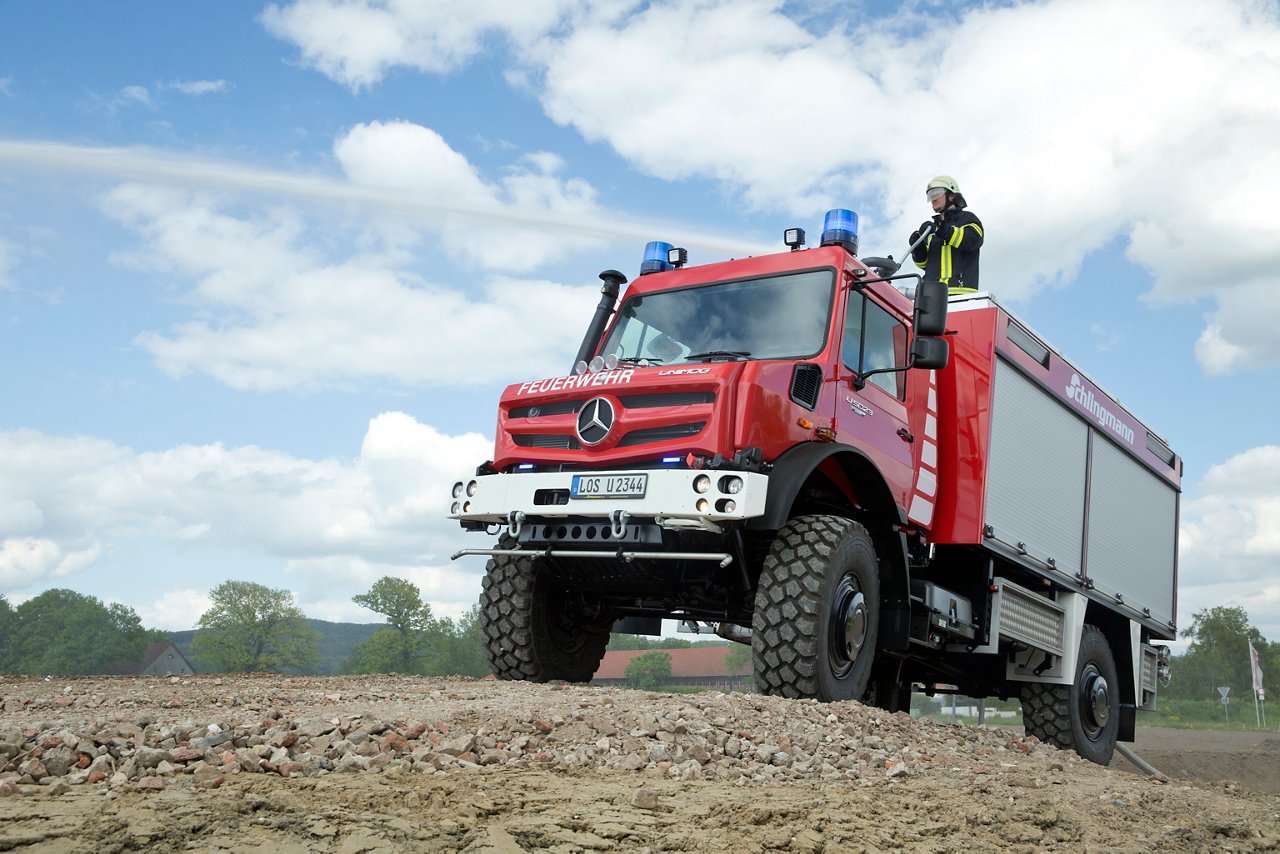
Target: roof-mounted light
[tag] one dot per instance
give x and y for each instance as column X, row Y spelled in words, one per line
column 793, row 237
column 840, row 228
column 677, row 257
column 656, row 257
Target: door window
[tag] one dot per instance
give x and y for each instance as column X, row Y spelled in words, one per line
column 873, row 339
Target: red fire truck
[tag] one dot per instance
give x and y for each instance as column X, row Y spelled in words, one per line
column 878, row 492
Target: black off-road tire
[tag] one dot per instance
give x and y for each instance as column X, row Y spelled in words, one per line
column 817, row 611
column 531, row 630
column 1063, row 715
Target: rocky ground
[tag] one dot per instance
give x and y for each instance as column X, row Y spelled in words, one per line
column 363, row 764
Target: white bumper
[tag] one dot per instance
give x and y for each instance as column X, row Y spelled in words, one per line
column 670, row 494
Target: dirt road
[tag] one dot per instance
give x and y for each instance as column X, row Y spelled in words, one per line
column 363, row 764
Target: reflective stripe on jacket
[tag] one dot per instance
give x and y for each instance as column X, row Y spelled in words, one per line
column 954, row 262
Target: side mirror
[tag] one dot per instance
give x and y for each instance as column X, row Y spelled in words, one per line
column 931, row 308
column 932, row 353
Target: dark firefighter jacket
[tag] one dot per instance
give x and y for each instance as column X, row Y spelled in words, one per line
column 950, row 254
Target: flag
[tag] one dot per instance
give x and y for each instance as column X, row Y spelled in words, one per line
column 1253, row 665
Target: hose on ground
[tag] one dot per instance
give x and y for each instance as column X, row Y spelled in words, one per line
column 1136, row 759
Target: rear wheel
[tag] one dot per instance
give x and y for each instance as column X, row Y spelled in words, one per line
column 533, row 629
column 817, row 611
column 1083, row 716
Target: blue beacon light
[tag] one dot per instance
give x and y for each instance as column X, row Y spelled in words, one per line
column 655, row 257
column 840, row 228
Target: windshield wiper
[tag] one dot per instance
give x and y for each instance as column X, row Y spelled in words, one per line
column 719, row 354
column 640, row 360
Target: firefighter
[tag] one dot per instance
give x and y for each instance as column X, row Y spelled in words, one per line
column 949, row 254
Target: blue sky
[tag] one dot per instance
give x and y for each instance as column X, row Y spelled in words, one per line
column 265, row 268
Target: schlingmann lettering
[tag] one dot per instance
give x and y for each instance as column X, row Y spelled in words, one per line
column 1106, row 418
column 579, row 381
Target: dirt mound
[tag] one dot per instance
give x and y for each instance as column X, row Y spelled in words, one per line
column 394, row 763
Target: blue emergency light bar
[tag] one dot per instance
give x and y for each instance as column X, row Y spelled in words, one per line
column 656, row 257
column 840, row 228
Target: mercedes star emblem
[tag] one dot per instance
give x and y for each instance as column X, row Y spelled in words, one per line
column 595, row 420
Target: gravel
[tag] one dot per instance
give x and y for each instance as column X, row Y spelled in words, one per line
column 196, row 732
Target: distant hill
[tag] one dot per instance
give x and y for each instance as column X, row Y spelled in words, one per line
column 337, row 641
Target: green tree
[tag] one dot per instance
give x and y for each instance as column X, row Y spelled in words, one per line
column 1219, row 655
column 7, row 620
column 738, row 658
column 464, row 650
column 400, row 648
column 649, row 670
column 67, row 633
column 253, row 628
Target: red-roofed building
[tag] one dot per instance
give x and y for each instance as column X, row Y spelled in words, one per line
column 696, row 665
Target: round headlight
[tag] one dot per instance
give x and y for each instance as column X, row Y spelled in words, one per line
column 457, row 490
column 466, row 507
column 611, row 361
column 455, row 508
column 471, row 489
column 702, row 506
column 596, row 366
column 730, row 485
column 726, row 505
column 701, row 484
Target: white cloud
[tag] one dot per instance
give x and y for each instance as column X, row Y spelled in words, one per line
column 6, row 86
column 355, row 42
column 409, row 158
column 135, row 94
column 174, row 610
column 274, row 314
column 196, row 87
column 1069, row 123
column 23, row 559
column 335, row 524
column 1230, row 539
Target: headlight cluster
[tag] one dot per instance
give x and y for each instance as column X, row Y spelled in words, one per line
column 460, row 491
column 729, row 484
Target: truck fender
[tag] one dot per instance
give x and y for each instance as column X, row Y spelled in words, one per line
column 790, row 472
column 793, row 468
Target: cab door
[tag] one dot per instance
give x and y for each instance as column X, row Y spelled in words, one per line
column 874, row 418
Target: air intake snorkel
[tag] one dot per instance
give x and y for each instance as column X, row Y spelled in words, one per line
column 613, row 282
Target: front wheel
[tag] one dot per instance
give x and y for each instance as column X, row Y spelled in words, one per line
column 1083, row 716
column 817, row 611
column 533, row 629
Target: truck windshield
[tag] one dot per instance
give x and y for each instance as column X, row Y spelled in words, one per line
column 776, row 317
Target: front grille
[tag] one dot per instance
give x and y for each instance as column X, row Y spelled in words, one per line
column 562, row 407
column 570, row 442
column 540, row 440
column 661, row 434
column 680, row 398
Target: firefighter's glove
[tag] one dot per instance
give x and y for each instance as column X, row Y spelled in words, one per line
column 945, row 231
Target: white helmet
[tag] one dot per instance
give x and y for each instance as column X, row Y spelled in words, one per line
column 946, row 182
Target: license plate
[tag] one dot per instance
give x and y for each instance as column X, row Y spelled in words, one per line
column 609, row 485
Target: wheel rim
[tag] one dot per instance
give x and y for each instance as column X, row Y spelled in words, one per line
column 1094, row 699
column 847, row 631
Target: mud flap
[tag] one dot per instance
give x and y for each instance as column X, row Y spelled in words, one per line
column 895, row 628
column 1128, row 722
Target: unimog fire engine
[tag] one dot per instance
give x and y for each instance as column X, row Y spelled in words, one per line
column 879, row 493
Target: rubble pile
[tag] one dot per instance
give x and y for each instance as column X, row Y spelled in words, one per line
column 197, row 731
